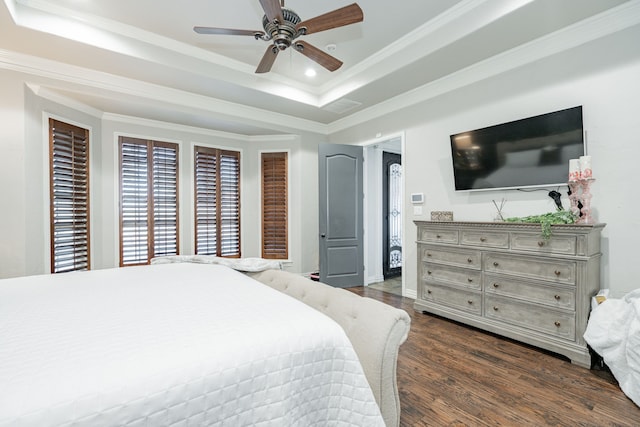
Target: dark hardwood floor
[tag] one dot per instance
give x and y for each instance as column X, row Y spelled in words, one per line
column 450, row 374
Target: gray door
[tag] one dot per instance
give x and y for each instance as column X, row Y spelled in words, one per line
column 341, row 229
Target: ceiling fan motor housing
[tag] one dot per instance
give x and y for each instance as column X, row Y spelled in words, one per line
column 282, row 33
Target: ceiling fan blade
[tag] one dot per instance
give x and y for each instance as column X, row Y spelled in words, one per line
column 267, row 60
column 322, row 58
column 272, row 9
column 228, row 31
column 338, row 18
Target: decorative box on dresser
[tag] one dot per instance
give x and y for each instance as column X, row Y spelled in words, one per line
column 507, row 279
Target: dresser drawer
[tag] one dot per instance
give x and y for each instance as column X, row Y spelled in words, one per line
column 485, row 238
column 557, row 323
column 452, row 256
column 445, row 275
column 556, row 271
column 437, row 235
column 552, row 296
column 565, row 245
column 460, row 299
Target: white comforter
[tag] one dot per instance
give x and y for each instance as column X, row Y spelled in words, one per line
column 172, row 344
column 613, row 332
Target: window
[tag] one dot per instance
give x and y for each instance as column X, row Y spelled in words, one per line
column 274, row 206
column 69, row 195
column 148, row 200
column 217, row 202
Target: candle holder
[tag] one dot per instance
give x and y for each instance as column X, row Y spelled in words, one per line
column 581, row 195
column 586, row 217
column 574, row 186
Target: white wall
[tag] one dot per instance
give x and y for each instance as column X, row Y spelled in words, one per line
column 602, row 77
column 12, row 176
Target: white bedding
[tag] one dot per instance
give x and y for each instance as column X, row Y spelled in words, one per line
column 241, row 264
column 172, row 344
column 613, row 332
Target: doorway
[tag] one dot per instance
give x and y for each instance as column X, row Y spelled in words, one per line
column 391, row 215
column 383, row 238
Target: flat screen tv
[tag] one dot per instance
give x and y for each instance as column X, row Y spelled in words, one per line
column 531, row 152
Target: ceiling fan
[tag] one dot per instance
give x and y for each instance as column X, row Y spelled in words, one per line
column 284, row 26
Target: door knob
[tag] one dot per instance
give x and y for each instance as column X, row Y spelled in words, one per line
column 323, row 235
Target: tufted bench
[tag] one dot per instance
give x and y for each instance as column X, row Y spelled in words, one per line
column 376, row 330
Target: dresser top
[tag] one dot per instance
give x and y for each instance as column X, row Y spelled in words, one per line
column 505, row 225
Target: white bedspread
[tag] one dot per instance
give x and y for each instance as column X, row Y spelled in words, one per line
column 613, row 332
column 172, row 345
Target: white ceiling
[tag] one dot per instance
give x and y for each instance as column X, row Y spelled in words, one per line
column 142, row 58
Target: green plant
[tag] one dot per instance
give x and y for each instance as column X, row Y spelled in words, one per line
column 546, row 220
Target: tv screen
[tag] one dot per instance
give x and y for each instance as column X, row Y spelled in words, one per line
column 531, row 152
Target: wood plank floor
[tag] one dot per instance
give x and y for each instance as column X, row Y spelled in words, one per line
column 450, row 374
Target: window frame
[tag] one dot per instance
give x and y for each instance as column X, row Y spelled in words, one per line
column 149, row 145
column 219, row 236
column 85, row 246
column 287, row 201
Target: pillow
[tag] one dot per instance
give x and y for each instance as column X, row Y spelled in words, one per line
column 240, row 264
column 522, row 158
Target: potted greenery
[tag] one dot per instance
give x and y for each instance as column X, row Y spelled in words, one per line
column 546, row 220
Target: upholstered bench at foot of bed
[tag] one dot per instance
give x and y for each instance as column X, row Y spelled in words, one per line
column 376, row 330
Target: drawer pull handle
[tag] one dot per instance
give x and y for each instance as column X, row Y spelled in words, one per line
column 469, row 279
column 428, row 271
column 557, row 272
column 495, row 285
column 469, row 260
column 495, row 264
column 541, row 243
column 428, row 254
column 429, row 291
column 495, row 308
column 470, row 302
column 557, row 323
column 438, row 236
column 557, row 297
column 483, row 239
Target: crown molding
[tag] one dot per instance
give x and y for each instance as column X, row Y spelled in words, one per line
column 59, row 76
column 156, row 124
column 111, row 87
column 423, row 41
column 46, row 16
column 64, row 100
column 598, row 26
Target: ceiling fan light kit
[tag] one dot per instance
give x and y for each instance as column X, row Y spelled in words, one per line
column 283, row 26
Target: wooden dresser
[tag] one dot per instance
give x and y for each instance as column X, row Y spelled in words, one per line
column 505, row 278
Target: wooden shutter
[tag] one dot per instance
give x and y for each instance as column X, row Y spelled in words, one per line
column 165, row 199
column 69, row 197
column 229, row 206
column 275, row 206
column 148, row 200
column 206, row 198
column 217, row 202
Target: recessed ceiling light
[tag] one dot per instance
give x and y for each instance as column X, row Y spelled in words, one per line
column 310, row 72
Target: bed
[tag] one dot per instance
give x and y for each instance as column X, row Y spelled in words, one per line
column 613, row 331
column 176, row 344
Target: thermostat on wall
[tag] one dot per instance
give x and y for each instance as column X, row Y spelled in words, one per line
column 417, row 198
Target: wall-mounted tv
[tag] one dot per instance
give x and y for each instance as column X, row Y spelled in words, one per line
column 531, row 152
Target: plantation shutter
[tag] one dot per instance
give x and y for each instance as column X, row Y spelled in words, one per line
column 217, row 202
column 206, row 161
column 229, row 204
column 274, row 206
column 69, row 197
column 148, row 200
column 165, row 199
